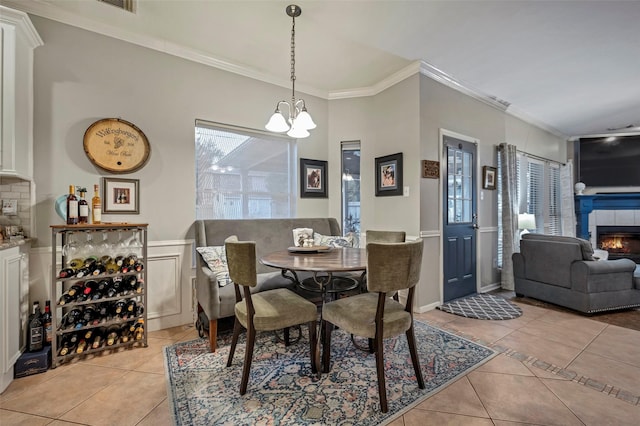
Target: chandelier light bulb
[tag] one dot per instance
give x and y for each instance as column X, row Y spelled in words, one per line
column 277, row 123
column 297, row 131
column 304, row 120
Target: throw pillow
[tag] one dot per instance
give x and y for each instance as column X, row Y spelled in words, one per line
column 587, row 249
column 301, row 234
column 332, row 240
column 216, row 259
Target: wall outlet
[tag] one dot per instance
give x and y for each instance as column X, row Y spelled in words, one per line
column 10, row 207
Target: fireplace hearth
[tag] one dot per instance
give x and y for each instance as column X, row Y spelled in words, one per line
column 620, row 241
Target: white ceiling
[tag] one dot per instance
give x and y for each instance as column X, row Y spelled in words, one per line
column 571, row 66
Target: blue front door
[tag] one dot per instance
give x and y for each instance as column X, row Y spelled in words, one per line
column 460, row 218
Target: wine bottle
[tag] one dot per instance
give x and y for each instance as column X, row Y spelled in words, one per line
column 138, row 266
column 117, row 285
column 112, row 267
column 130, row 308
column 46, row 321
column 82, row 345
column 139, row 309
column 112, row 335
column 99, row 269
column 83, row 207
column 89, row 315
column 90, row 287
column 67, row 273
column 104, row 311
column 138, row 332
column 98, row 338
column 125, row 333
column 65, row 298
column 68, row 344
column 119, row 308
column 75, row 289
column 35, row 329
column 72, row 317
column 96, row 206
column 72, row 206
column 83, row 272
column 75, row 264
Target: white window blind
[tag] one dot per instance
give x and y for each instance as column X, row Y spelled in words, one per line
column 555, row 213
column 243, row 174
column 535, row 192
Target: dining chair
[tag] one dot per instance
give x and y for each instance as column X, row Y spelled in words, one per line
column 375, row 315
column 269, row 310
column 386, row 237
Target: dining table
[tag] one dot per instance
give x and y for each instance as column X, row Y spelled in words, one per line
column 334, row 270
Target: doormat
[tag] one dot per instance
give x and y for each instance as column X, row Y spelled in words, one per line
column 482, row 306
column 203, row 391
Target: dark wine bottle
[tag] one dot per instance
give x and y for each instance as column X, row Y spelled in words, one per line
column 131, row 307
column 83, row 207
column 113, row 333
column 117, row 284
column 98, row 338
column 104, row 311
column 67, row 273
column 35, row 329
column 125, row 333
column 46, row 322
column 68, row 344
column 72, row 317
column 85, row 271
column 119, row 260
column 65, row 298
column 89, row 287
column 89, row 315
column 75, row 289
column 99, row 269
column 138, row 331
column 138, row 266
column 139, row 309
column 72, row 206
column 119, row 308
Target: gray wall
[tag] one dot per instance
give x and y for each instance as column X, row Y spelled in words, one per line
column 81, row 77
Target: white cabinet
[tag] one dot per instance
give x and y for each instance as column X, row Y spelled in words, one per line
column 18, row 39
column 14, row 306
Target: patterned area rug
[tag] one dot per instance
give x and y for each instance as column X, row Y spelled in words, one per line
column 482, row 306
column 203, row 391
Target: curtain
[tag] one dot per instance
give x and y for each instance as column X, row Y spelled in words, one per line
column 510, row 240
column 567, row 200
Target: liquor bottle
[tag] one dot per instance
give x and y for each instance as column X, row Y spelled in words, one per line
column 83, row 207
column 46, row 321
column 96, row 206
column 35, row 329
column 72, row 206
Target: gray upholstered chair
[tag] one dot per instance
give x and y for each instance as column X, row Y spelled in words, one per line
column 265, row 311
column 375, row 315
column 385, row 236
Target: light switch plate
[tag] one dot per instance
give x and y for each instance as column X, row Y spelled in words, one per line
column 9, row 207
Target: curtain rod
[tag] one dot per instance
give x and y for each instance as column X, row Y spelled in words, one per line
column 535, row 157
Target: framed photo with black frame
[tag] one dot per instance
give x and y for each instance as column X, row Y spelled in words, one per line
column 120, row 196
column 313, row 178
column 389, row 175
column 488, row 177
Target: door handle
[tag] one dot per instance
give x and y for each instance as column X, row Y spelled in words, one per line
column 474, row 221
column 475, row 226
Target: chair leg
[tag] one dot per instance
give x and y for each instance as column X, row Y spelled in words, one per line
column 313, row 347
column 411, row 340
column 237, row 327
column 382, row 389
column 327, row 328
column 213, row 334
column 248, row 355
column 287, row 340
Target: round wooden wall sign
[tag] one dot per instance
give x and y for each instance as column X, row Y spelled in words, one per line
column 116, row 145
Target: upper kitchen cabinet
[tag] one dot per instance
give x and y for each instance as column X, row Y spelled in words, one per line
column 18, row 39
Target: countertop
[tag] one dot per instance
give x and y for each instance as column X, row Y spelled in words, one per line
column 7, row 244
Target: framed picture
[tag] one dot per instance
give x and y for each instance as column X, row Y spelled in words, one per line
column 313, row 178
column 120, row 196
column 488, row 177
column 389, row 175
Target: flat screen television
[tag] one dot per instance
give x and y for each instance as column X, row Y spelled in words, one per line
column 609, row 161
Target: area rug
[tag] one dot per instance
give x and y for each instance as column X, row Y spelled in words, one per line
column 482, row 306
column 203, row 391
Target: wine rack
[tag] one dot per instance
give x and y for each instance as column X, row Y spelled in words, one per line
column 97, row 289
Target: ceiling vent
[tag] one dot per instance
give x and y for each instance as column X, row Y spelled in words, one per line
column 128, row 5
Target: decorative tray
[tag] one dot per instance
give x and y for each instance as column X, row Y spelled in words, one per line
column 312, row 249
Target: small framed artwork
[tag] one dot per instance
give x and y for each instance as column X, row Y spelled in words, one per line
column 313, row 178
column 430, row 169
column 120, row 196
column 488, row 177
column 389, row 175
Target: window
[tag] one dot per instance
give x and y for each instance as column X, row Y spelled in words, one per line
column 243, row 174
column 537, row 192
column 351, row 187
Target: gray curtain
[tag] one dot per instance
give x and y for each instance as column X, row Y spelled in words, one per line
column 567, row 203
column 510, row 241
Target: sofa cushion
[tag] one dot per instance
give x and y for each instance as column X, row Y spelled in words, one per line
column 585, row 246
column 216, row 259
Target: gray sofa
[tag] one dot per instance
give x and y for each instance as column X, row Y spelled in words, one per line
column 270, row 235
column 562, row 271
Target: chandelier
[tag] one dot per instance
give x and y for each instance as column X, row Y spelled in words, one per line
column 299, row 122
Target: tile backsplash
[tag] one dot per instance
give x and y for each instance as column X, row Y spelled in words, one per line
column 12, row 188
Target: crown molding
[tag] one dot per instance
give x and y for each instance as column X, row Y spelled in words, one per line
column 50, row 11
column 23, row 23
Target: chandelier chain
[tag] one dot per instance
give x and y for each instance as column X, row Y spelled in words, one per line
column 293, row 59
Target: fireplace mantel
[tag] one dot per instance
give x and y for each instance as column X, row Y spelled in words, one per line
column 585, row 204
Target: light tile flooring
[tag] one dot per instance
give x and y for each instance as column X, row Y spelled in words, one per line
column 554, row 368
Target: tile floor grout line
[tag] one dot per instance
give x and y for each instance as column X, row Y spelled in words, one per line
column 622, row 395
